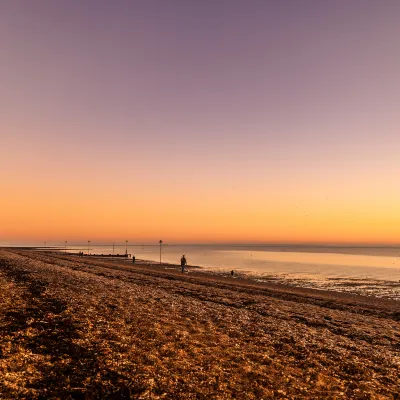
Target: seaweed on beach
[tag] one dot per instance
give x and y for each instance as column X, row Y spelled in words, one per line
column 93, row 329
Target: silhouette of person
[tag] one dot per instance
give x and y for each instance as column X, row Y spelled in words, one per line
column 133, row 259
column 183, row 263
column 232, row 272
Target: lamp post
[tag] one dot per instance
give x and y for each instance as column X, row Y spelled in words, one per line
column 160, row 249
column 126, row 248
column 88, row 247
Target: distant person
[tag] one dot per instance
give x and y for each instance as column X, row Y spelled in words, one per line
column 133, row 259
column 232, row 272
column 183, row 263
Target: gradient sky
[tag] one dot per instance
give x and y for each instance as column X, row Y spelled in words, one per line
column 200, row 121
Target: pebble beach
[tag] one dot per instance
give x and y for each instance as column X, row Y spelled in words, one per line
column 91, row 328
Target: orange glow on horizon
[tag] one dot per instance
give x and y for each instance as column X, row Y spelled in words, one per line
column 118, row 215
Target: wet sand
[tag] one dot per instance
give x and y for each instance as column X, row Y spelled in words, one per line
column 91, row 328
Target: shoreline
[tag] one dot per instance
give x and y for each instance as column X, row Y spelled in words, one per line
column 280, row 287
column 367, row 287
column 367, row 250
column 351, row 286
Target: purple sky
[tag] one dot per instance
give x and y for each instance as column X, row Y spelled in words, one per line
column 219, row 96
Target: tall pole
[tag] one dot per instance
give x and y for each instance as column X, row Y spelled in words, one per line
column 65, row 250
column 113, row 248
column 126, row 248
column 160, row 249
column 88, row 247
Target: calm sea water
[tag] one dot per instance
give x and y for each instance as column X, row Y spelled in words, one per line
column 361, row 270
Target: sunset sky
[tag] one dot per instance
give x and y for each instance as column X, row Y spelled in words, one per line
column 200, row 121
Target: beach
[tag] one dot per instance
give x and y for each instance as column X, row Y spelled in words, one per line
column 368, row 271
column 92, row 328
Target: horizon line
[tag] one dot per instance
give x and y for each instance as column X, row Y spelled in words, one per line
column 266, row 244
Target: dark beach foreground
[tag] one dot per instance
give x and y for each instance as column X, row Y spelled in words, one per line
column 82, row 328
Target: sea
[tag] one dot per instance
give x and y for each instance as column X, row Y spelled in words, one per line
column 370, row 271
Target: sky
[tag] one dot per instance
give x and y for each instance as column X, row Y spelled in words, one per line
column 231, row 121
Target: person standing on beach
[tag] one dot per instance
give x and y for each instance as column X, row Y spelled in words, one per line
column 183, row 263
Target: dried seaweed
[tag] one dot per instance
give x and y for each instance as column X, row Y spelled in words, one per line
column 92, row 328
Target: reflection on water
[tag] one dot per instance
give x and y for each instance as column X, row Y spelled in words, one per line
column 362, row 270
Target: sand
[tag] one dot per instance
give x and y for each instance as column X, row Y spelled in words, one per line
column 83, row 328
